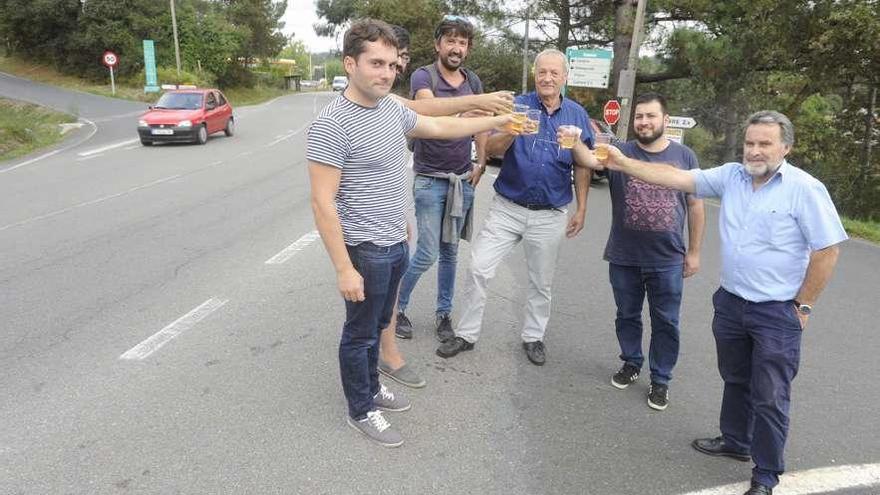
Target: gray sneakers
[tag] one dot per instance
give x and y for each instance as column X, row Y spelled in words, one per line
column 387, row 400
column 377, row 428
column 404, row 375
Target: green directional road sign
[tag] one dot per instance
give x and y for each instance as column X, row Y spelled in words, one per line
column 589, row 68
column 150, row 67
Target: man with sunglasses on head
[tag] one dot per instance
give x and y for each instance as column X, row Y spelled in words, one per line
column 533, row 192
column 391, row 361
column 445, row 177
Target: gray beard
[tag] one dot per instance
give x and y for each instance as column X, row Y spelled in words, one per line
column 762, row 170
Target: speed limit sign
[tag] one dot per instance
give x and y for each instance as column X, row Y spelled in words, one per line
column 110, row 59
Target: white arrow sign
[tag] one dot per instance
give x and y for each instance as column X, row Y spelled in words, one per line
column 682, row 122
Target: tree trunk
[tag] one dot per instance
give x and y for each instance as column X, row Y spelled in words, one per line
column 869, row 136
column 624, row 20
column 564, row 13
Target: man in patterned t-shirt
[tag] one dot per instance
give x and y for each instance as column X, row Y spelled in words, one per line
column 357, row 168
column 646, row 253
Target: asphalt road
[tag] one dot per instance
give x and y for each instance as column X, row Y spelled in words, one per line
column 100, row 250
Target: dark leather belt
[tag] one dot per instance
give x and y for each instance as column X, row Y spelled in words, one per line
column 534, row 207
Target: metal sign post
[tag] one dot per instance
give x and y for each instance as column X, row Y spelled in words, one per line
column 111, row 60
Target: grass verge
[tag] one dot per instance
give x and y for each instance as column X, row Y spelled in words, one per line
column 25, row 127
column 49, row 75
column 865, row 229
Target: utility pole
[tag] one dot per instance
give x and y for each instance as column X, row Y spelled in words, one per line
column 525, row 72
column 627, row 82
column 176, row 42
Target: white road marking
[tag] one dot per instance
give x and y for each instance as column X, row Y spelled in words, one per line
column 294, row 248
column 108, row 147
column 813, row 481
column 283, row 137
column 171, row 331
column 51, row 153
column 87, row 158
column 87, row 203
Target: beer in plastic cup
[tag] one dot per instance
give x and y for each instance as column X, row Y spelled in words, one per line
column 570, row 135
column 519, row 118
column 533, row 123
column 601, row 152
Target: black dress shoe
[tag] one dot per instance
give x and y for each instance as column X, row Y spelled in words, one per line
column 535, row 352
column 452, row 347
column 717, row 447
column 759, row 489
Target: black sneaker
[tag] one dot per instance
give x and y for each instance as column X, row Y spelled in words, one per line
column 403, row 329
column 658, row 396
column 444, row 328
column 454, row 346
column 625, row 376
column 535, row 352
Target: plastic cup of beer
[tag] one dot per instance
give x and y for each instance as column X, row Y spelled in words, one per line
column 603, row 141
column 519, row 118
column 533, row 121
column 570, row 135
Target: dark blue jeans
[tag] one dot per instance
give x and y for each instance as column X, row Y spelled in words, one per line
column 663, row 285
column 759, row 347
column 381, row 267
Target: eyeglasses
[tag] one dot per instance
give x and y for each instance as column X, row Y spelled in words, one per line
column 404, row 57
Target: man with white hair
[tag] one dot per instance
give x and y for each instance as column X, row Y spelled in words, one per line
column 779, row 236
column 533, row 192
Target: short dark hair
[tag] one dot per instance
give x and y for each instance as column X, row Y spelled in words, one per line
column 453, row 25
column 363, row 31
column 402, row 36
column 649, row 97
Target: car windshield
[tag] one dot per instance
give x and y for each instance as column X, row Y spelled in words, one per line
column 340, row 79
column 180, row 101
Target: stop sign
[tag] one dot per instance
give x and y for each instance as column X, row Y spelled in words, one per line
column 611, row 112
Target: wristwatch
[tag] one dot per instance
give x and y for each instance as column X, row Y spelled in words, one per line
column 803, row 309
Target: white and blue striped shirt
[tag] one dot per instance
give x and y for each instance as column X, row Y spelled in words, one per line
column 369, row 146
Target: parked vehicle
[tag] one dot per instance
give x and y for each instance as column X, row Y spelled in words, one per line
column 340, row 83
column 188, row 116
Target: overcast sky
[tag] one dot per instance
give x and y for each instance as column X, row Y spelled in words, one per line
column 299, row 18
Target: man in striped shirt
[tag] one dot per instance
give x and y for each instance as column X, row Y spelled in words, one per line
column 357, row 167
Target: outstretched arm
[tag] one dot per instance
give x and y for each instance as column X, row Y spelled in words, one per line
column 652, row 173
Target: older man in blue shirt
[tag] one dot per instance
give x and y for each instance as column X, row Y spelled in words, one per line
column 533, row 191
column 779, row 237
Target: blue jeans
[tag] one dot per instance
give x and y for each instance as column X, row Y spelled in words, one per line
column 759, row 349
column 381, row 268
column 430, row 196
column 663, row 286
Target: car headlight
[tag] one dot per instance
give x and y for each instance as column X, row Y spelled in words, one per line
column 184, row 123
column 143, row 123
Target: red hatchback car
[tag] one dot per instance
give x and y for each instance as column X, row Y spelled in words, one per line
column 188, row 116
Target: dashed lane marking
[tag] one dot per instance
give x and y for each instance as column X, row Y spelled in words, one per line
column 294, row 248
column 167, row 334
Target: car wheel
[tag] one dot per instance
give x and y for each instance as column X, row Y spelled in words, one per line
column 202, row 136
column 146, row 143
column 230, row 127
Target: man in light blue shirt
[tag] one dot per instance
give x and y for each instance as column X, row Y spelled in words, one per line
column 779, row 236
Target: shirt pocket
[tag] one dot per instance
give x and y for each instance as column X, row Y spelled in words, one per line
column 775, row 223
